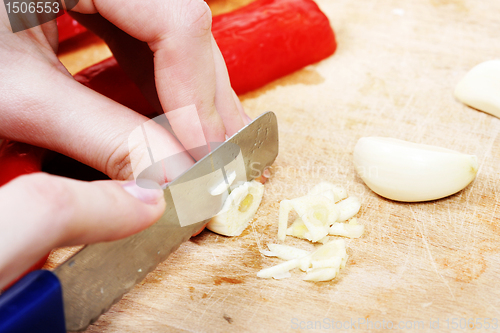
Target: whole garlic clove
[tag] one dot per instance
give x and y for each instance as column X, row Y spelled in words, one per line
column 410, row 172
column 480, row 87
column 239, row 208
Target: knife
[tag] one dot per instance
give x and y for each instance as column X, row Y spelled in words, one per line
column 86, row 285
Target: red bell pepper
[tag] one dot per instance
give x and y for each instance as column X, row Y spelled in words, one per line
column 260, row 43
column 269, row 39
column 18, row 159
column 68, row 27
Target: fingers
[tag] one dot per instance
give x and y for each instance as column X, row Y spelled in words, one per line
column 53, row 111
column 226, row 104
column 188, row 67
column 41, row 212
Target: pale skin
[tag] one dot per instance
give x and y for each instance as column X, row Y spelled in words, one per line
column 42, row 104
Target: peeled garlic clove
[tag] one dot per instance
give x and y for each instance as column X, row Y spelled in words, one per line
column 406, row 171
column 348, row 208
column 238, row 209
column 279, row 270
column 321, row 274
column 286, row 252
column 480, row 87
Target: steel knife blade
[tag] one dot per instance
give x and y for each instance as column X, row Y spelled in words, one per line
column 99, row 275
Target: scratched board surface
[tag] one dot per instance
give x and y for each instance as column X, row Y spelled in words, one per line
column 423, row 266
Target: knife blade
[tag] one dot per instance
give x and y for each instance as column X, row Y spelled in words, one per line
column 100, row 274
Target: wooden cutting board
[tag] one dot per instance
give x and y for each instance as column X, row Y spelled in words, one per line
column 425, row 266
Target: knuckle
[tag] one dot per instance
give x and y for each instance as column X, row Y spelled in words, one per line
column 118, row 165
column 197, row 17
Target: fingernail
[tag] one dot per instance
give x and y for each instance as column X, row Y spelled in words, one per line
column 145, row 190
column 249, row 120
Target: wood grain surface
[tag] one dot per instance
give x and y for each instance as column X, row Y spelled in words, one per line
column 393, row 74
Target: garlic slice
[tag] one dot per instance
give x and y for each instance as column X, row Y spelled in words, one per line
column 351, row 229
column 480, row 87
column 333, row 192
column 238, row 209
column 348, row 208
column 321, row 274
column 286, row 252
column 323, row 264
column 297, row 229
column 316, row 212
column 279, row 270
column 222, row 186
column 406, row 171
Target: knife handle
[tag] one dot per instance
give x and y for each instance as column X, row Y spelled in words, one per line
column 34, row 304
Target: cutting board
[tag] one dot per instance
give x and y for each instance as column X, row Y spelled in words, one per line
column 418, row 267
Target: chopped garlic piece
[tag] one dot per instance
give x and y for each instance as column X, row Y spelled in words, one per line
column 329, row 255
column 333, row 192
column 286, row 252
column 348, row 208
column 238, row 209
column 285, row 209
column 278, row 270
column 268, row 253
column 297, row 229
column 347, row 230
column 323, row 264
column 321, row 274
column 316, row 212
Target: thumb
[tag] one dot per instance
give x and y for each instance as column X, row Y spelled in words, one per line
column 39, row 212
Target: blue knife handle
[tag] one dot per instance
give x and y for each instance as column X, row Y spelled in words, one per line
column 33, row 304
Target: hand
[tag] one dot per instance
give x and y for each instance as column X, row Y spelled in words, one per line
column 39, row 212
column 43, row 105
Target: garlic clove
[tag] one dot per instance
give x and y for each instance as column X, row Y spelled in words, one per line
column 238, row 209
column 406, row 171
column 348, row 208
column 480, row 87
column 286, row 252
